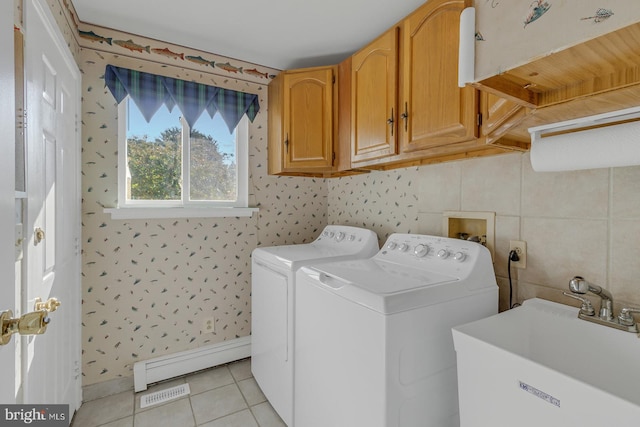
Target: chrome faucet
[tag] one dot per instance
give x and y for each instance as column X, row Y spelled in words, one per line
column 580, row 286
column 624, row 321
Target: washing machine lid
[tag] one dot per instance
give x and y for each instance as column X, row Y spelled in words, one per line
column 292, row 256
column 382, row 286
column 335, row 242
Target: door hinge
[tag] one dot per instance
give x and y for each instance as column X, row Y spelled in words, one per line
column 479, row 119
column 21, row 122
column 333, row 79
column 333, row 158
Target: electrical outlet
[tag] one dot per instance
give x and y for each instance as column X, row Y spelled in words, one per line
column 208, row 325
column 521, row 249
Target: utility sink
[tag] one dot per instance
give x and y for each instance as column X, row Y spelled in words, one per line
column 539, row 365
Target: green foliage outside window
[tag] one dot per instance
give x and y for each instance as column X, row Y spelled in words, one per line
column 156, row 171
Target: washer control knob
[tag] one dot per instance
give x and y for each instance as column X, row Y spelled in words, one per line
column 331, row 233
column 391, row 245
column 421, row 250
column 403, row 247
column 352, row 237
column 443, row 254
column 340, row 237
column 459, row 256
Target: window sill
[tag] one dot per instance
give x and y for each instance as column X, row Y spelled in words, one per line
column 178, row 212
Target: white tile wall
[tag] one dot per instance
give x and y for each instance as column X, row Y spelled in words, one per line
column 583, row 222
column 579, row 194
column 625, row 197
column 491, row 184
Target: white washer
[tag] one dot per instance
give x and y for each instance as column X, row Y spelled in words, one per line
column 373, row 337
column 272, row 298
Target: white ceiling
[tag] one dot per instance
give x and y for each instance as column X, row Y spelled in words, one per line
column 282, row 34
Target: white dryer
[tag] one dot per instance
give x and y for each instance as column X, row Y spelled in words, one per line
column 272, row 299
column 373, row 337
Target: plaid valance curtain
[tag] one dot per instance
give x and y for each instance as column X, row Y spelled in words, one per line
column 150, row 91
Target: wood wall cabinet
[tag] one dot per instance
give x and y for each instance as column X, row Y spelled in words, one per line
column 406, row 103
column 303, row 108
column 396, row 103
column 438, row 111
column 374, row 99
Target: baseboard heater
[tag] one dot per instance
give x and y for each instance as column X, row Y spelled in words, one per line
column 185, row 362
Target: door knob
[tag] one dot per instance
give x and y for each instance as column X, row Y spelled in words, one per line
column 32, row 323
column 5, row 335
column 38, row 235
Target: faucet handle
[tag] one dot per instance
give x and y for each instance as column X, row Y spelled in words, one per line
column 586, row 308
column 625, row 318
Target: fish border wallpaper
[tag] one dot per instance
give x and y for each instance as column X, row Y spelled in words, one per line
column 117, row 42
column 510, row 34
column 147, row 284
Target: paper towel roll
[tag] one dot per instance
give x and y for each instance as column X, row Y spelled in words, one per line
column 467, row 48
column 610, row 146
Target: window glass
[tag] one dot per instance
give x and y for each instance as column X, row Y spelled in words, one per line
column 213, row 168
column 154, row 155
column 167, row 164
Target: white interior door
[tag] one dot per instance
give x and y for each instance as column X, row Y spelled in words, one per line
column 10, row 380
column 51, row 362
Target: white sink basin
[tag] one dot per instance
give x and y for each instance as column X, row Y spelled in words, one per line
column 540, row 365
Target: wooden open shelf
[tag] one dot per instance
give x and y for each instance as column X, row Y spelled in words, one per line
column 597, row 76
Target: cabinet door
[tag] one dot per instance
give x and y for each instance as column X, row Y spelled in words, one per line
column 374, row 99
column 435, row 111
column 499, row 115
column 308, row 120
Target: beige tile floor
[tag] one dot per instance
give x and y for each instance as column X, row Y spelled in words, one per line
column 224, row 396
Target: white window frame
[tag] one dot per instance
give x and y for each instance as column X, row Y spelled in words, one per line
column 185, row 208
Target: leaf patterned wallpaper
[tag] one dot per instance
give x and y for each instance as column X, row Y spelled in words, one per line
column 147, row 284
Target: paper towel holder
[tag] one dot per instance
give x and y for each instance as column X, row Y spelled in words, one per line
column 612, row 117
column 467, row 47
column 613, row 125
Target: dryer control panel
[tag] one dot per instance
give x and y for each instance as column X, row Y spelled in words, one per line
column 439, row 253
column 344, row 234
